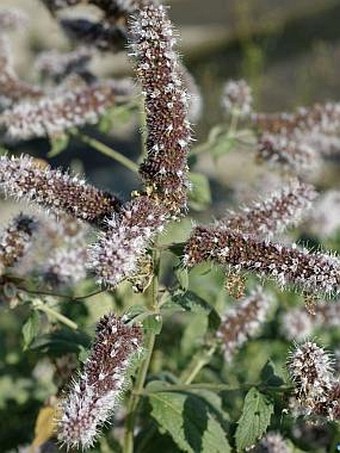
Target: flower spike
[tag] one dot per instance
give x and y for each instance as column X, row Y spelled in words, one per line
column 312, row 272
column 93, row 398
column 23, row 179
column 164, row 171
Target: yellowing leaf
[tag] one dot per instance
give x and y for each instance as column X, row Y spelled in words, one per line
column 44, row 426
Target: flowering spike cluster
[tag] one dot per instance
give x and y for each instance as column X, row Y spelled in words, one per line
column 278, row 150
column 52, row 115
column 237, row 98
column 15, row 240
column 164, row 171
column 58, row 65
column 312, row 272
column 272, row 215
column 296, row 140
column 271, row 443
column 23, row 179
column 316, row 388
column 322, row 118
column 93, row 398
column 298, row 324
column 242, row 322
column 117, row 253
column 102, row 35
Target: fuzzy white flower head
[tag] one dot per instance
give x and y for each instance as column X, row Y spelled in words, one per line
column 237, row 98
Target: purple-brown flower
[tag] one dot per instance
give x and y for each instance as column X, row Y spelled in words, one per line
column 296, row 140
column 24, row 179
column 16, row 239
column 95, row 395
column 164, row 170
column 273, row 214
column 242, row 322
column 317, row 390
column 115, row 256
column 52, row 115
column 311, row 272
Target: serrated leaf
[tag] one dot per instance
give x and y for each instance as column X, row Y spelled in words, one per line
column 255, row 419
column 30, row 329
column 200, row 194
column 190, row 421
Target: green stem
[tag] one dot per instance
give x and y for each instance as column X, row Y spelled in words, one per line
column 107, row 151
column 196, row 364
column 217, row 388
column 63, row 296
column 137, row 392
column 48, row 310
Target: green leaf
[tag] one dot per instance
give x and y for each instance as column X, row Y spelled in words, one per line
column 199, row 195
column 269, row 376
column 30, row 329
column 153, row 323
column 61, row 342
column 182, row 277
column 58, row 144
column 193, row 334
column 190, row 301
column 255, row 419
column 190, row 420
column 223, row 145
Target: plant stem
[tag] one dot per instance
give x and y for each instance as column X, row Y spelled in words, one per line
column 63, row 296
column 107, row 151
column 137, row 392
column 218, row 388
column 196, row 364
column 48, row 310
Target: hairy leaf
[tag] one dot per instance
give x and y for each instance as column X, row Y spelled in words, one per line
column 255, row 418
column 190, row 420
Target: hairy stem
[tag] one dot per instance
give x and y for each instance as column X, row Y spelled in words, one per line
column 137, row 392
